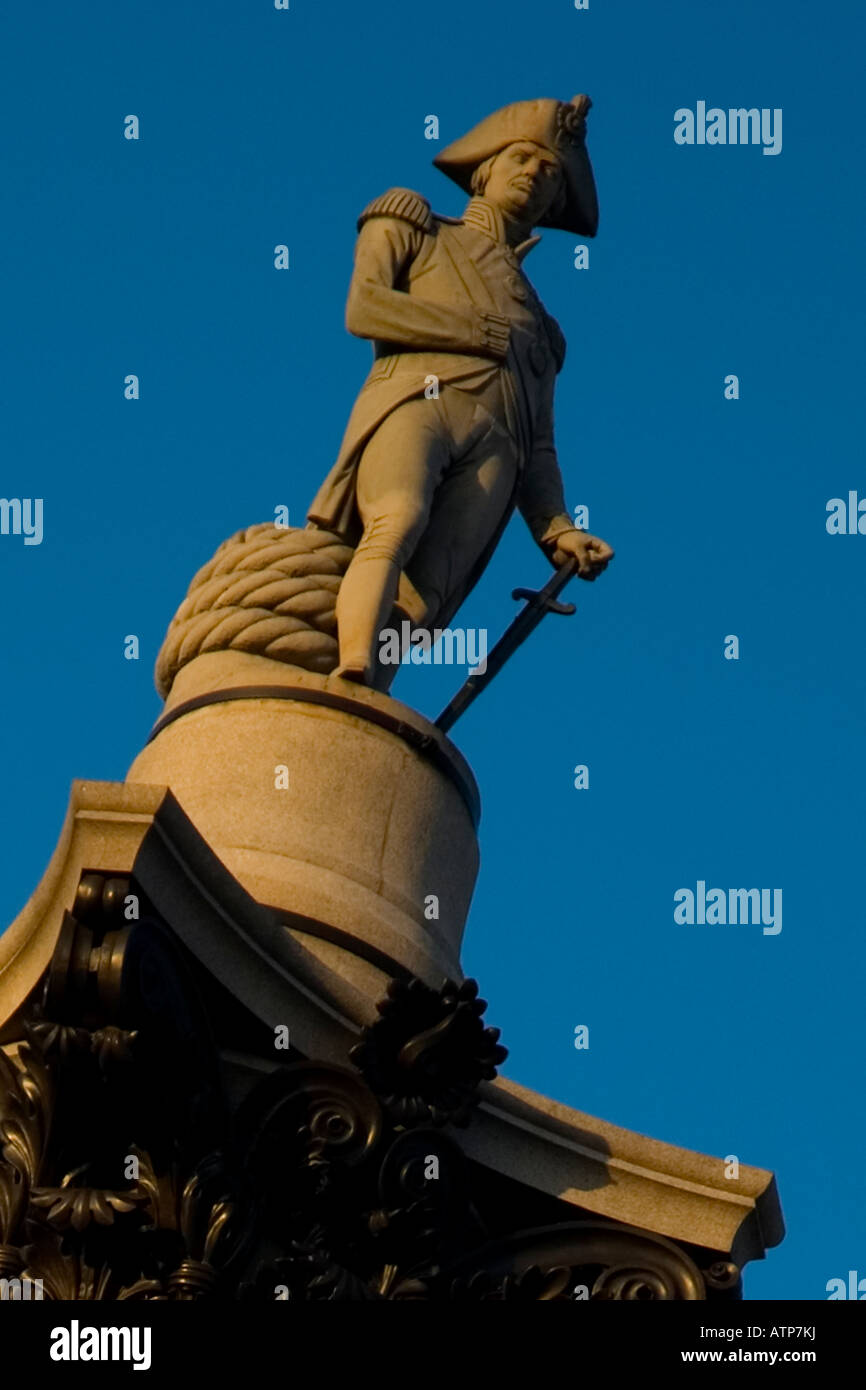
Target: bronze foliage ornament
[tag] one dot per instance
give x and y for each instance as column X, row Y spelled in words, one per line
column 129, row 1172
column 428, row 1051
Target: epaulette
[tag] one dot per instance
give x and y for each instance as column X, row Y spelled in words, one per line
column 402, row 203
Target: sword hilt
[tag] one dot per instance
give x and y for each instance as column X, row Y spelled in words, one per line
column 545, row 599
column 550, row 605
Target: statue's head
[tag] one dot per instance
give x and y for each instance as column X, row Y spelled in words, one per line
column 524, row 180
column 530, row 159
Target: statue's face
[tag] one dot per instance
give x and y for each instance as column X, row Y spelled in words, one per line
column 524, row 181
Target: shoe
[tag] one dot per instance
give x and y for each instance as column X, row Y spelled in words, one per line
column 354, row 671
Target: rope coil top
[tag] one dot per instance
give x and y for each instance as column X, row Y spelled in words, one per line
column 269, row 590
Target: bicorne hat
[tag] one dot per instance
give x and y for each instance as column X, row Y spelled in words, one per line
column 556, row 125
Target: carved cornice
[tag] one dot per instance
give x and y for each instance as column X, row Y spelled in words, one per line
column 128, row 1171
column 202, row 916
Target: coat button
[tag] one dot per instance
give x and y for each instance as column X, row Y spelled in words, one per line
column 516, row 287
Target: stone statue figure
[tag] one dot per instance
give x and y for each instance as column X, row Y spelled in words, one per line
column 453, row 427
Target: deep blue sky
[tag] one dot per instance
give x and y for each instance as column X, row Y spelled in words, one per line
column 156, row 257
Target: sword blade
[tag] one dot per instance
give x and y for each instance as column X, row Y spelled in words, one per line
column 538, row 604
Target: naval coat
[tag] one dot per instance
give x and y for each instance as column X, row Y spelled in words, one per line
column 447, row 297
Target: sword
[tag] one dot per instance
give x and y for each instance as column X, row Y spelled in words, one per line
column 539, row 602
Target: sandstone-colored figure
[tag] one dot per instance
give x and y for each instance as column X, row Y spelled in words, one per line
column 453, row 427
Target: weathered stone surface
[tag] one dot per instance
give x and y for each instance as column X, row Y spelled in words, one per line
column 372, row 836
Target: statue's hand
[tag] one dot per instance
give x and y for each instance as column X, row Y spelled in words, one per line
column 592, row 554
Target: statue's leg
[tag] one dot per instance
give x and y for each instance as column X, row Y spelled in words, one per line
column 397, row 477
column 470, row 506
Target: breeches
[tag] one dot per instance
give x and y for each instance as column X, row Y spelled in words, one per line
column 432, row 486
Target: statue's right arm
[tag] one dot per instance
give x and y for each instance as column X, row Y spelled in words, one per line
column 376, row 309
